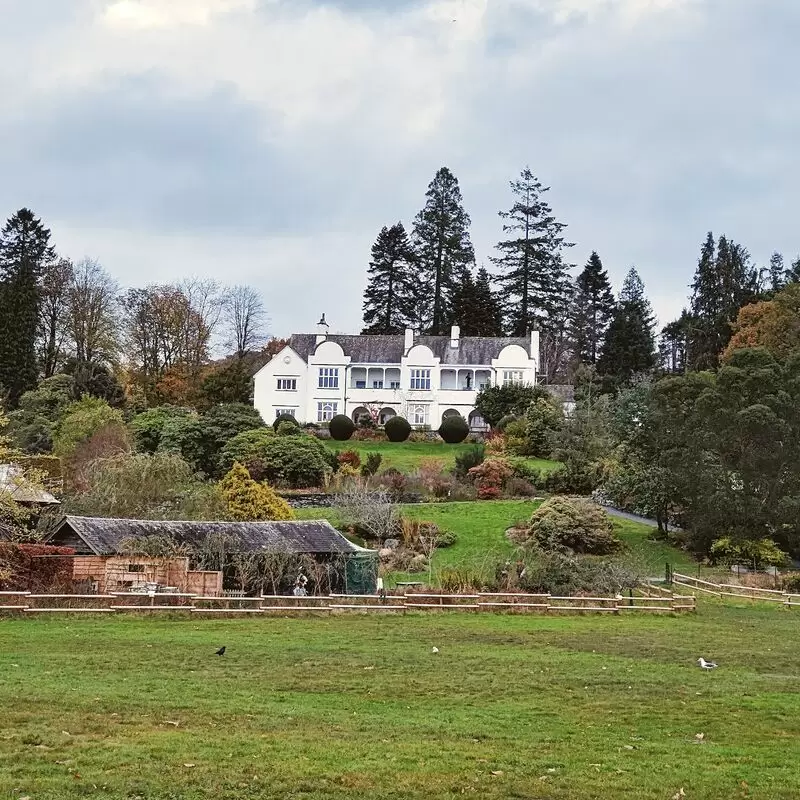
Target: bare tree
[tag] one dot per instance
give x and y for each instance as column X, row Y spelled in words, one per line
column 244, row 319
column 370, row 512
column 92, row 316
column 54, row 315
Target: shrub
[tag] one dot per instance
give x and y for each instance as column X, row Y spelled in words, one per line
column 22, row 570
column 185, row 436
column 504, row 422
column 246, row 500
column 81, row 420
column 519, row 487
column 446, row 538
column 435, row 482
column 287, row 428
column 281, row 418
column 496, row 402
column 341, row 427
column 564, row 524
column 759, row 553
column 350, row 457
column 397, row 429
column 220, row 424
column 295, row 461
column 454, row 429
column 395, row 483
column 791, row 583
column 140, row 486
column 247, row 448
column 490, row 477
column 372, row 465
column 468, row 459
column 147, row 427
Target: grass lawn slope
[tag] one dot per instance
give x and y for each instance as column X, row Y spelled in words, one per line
column 407, row 456
column 581, row 708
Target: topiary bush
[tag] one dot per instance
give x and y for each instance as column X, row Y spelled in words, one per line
column 454, row 429
column 281, row 418
column 341, row 428
column 571, row 525
column 397, row 429
column 287, row 428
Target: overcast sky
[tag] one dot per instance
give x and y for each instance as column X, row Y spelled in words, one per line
column 267, row 141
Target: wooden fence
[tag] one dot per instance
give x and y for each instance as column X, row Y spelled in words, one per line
column 731, row 590
column 510, row 602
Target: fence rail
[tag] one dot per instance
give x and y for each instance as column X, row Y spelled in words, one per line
column 721, row 590
column 21, row 603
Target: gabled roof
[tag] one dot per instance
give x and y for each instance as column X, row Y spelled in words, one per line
column 374, row 349
column 105, row 537
column 13, row 481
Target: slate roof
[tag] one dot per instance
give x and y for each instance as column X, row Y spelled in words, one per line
column 370, row 349
column 12, row 480
column 105, row 536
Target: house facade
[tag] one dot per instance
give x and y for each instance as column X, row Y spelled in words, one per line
column 422, row 378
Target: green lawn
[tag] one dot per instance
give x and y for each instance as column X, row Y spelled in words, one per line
column 581, row 708
column 481, row 528
column 407, row 456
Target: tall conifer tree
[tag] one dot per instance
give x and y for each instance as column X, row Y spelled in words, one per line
column 25, row 250
column 476, row 309
column 534, row 279
column 725, row 281
column 389, row 296
column 443, row 247
column 591, row 311
column 629, row 349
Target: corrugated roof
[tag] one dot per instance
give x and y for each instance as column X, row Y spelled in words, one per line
column 106, row 536
column 370, row 349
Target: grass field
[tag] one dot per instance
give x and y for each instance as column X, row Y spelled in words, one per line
column 407, row 456
column 511, row 707
column 481, row 528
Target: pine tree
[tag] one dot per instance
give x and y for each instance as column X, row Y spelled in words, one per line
column 777, row 272
column 591, row 311
column 673, row 345
column 25, row 250
column 388, row 298
column 725, row 281
column 629, row 348
column 793, row 273
column 475, row 308
column 534, row 279
column 489, row 314
column 443, row 247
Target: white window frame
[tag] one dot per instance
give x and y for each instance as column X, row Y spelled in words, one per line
column 329, row 377
column 420, row 415
column 420, row 380
column 287, row 385
column 327, row 410
column 513, row 376
column 289, row 412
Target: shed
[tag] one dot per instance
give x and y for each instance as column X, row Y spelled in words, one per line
column 102, row 539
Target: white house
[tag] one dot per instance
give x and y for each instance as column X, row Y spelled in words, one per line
column 422, row 378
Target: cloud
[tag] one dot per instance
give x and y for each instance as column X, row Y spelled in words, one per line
column 144, row 14
column 269, row 140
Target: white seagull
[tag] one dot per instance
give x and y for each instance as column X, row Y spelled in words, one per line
column 435, row 650
column 706, row 664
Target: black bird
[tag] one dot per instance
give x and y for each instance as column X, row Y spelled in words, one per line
column 220, row 652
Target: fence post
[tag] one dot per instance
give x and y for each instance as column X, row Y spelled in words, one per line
column 668, row 574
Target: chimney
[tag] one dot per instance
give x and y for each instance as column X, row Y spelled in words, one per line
column 455, row 333
column 322, row 330
column 535, row 349
column 409, row 340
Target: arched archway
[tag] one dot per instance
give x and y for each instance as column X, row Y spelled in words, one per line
column 451, row 412
column 360, row 413
column 386, row 414
column 477, row 422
